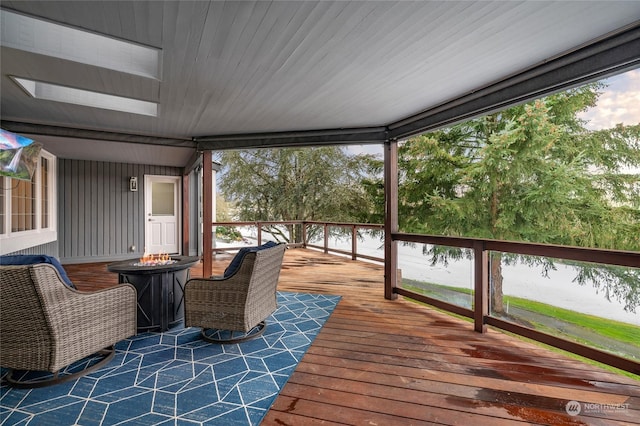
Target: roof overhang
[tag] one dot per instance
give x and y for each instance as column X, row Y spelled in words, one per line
column 267, row 74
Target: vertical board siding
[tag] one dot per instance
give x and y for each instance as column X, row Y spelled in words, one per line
column 116, row 188
column 100, row 207
column 98, row 217
column 64, row 205
column 75, row 187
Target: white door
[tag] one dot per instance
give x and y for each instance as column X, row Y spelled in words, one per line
column 162, row 214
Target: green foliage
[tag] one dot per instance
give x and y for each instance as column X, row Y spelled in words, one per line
column 595, row 326
column 228, row 234
column 27, row 159
column 530, row 173
column 224, row 209
column 288, row 184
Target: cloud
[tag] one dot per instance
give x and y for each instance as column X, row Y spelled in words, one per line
column 620, row 103
column 373, row 149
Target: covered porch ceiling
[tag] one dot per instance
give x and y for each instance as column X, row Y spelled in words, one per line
column 240, row 74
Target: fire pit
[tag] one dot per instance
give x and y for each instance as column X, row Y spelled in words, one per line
column 155, row 260
column 159, row 281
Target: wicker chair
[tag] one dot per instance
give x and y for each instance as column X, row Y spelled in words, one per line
column 239, row 303
column 46, row 326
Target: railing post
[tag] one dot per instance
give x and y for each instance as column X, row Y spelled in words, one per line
column 326, row 238
column 481, row 286
column 304, row 234
column 292, row 232
column 354, row 243
column 259, row 225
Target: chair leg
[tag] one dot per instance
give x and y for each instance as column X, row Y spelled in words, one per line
column 108, row 354
column 256, row 331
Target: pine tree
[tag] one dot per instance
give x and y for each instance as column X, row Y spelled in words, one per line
column 529, row 173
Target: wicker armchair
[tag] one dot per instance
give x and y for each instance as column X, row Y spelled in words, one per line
column 46, row 326
column 239, row 303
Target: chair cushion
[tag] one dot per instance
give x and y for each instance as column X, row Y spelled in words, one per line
column 235, row 263
column 31, row 259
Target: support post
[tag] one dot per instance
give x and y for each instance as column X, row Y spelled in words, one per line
column 390, row 218
column 326, row 239
column 481, row 286
column 207, row 214
column 354, row 243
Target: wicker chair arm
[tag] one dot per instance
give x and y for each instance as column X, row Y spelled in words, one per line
column 100, row 309
column 219, row 283
column 83, row 323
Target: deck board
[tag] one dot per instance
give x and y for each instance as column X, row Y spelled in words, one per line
column 386, row 362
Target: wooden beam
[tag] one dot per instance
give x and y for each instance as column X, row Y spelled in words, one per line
column 581, row 254
column 481, row 286
column 365, row 135
column 78, row 133
column 390, row 218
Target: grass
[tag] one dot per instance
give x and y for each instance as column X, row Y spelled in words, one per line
column 620, row 331
column 610, row 329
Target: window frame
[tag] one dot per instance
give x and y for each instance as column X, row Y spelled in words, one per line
column 11, row 242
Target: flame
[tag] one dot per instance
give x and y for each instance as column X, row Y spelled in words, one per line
column 155, row 259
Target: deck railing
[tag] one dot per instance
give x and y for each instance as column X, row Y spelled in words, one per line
column 481, row 248
column 480, row 312
column 352, row 230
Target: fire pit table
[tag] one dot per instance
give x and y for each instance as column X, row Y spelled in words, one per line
column 160, row 288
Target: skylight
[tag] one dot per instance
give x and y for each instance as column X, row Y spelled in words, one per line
column 59, row 41
column 54, row 92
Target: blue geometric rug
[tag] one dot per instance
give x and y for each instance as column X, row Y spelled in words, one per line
column 176, row 378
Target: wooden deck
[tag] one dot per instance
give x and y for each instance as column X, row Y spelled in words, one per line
column 381, row 362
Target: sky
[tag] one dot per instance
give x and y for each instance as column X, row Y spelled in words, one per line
column 619, row 103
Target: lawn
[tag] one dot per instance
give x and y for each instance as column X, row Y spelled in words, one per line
column 592, row 329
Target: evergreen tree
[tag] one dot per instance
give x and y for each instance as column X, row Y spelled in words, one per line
column 290, row 184
column 529, row 173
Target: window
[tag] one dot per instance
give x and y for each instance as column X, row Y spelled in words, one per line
column 42, row 37
column 74, row 44
column 54, row 92
column 27, row 208
column 23, row 203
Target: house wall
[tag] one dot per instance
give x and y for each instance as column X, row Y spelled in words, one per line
column 99, row 219
column 50, row 249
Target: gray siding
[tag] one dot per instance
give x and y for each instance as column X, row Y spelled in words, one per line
column 50, row 249
column 99, row 219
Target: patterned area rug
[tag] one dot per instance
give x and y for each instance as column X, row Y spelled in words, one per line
column 176, row 378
